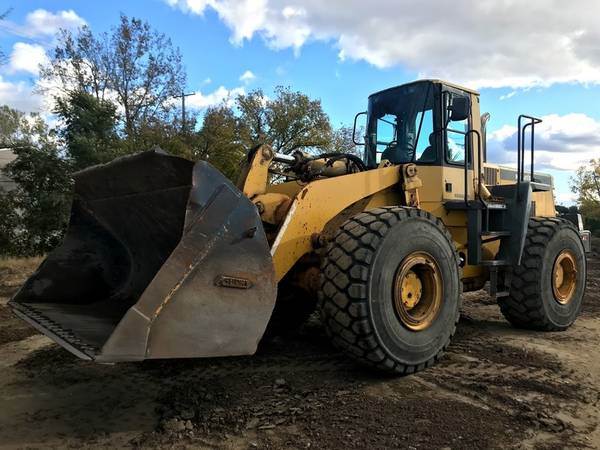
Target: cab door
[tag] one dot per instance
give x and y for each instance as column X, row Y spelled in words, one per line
column 458, row 145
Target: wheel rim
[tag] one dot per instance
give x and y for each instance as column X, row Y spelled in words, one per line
column 418, row 291
column 564, row 277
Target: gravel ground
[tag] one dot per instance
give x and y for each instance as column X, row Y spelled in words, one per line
column 497, row 387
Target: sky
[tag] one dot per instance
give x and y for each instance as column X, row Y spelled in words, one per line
column 538, row 57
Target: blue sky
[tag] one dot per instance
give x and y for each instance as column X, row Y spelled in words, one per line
column 341, row 51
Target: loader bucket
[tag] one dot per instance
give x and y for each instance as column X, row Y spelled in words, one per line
column 162, row 259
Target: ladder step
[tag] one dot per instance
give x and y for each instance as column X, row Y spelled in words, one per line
column 495, row 262
column 496, row 205
column 495, row 233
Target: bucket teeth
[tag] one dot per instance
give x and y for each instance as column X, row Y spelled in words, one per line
column 63, row 336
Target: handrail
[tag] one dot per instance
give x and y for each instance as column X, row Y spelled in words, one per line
column 479, row 164
column 521, row 129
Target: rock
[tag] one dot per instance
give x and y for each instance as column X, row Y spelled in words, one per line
column 280, row 382
column 174, row 426
column 187, row 414
column 189, row 425
column 252, row 423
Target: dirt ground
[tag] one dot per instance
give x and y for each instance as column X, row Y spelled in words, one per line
column 498, row 387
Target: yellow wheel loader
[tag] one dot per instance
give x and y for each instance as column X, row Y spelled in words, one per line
column 165, row 258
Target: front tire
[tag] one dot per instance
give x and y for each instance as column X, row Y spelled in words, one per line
column 390, row 291
column 547, row 289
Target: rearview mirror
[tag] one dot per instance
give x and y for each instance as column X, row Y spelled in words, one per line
column 361, row 128
column 459, row 109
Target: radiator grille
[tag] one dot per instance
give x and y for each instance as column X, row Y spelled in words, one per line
column 490, row 176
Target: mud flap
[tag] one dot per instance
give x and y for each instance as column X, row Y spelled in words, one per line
column 141, row 275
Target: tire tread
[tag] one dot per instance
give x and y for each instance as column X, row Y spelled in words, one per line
column 524, row 306
column 343, row 301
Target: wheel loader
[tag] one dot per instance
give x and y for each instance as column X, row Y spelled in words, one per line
column 167, row 258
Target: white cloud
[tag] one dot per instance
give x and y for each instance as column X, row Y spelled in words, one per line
column 511, row 94
column 247, row 77
column 482, row 44
column 19, row 95
column 219, row 95
column 43, row 23
column 27, row 58
column 561, row 142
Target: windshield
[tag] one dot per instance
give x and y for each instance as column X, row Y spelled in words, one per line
column 400, row 125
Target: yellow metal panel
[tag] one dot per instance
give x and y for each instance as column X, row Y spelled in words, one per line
column 257, row 173
column 290, row 188
column 318, row 203
column 544, row 204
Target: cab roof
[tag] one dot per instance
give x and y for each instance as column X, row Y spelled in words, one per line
column 429, row 80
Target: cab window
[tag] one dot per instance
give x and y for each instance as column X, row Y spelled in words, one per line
column 455, row 137
column 400, row 124
column 386, row 132
column 425, row 150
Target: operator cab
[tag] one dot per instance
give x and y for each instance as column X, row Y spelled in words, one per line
column 409, row 124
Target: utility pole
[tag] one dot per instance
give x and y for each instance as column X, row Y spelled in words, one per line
column 183, row 95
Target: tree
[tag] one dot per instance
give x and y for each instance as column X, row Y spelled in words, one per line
column 219, row 141
column 288, row 122
column 42, row 199
column 342, row 142
column 13, row 125
column 35, row 214
column 586, row 184
column 133, row 65
column 88, row 129
column 169, row 137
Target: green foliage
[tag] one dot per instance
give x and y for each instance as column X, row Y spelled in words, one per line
column 35, row 214
column 12, row 125
column 341, row 141
column 89, row 129
column 586, row 184
column 288, row 122
column 8, row 231
column 219, row 141
column 169, row 137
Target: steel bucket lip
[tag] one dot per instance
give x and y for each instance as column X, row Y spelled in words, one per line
column 56, row 333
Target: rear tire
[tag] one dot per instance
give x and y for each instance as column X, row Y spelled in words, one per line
column 365, row 298
column 547, row 288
